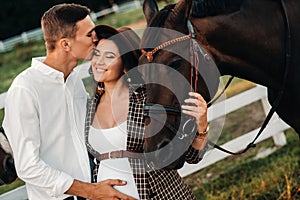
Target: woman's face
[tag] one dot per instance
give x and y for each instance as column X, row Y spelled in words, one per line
column 106, row 62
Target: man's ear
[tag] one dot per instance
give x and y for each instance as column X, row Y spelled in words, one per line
column 65, row 44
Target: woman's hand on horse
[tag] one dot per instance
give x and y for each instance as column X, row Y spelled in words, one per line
column 196, row 107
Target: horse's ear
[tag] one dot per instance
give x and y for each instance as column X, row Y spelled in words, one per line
column 150, row 8
column 181, row 12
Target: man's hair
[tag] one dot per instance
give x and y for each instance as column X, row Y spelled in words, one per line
column 60, row 22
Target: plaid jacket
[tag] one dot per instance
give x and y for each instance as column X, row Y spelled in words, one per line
column 158, row 184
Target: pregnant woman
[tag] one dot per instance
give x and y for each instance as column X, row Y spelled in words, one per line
column 114, row 124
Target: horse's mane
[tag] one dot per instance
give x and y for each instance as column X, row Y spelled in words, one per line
column 204, row 8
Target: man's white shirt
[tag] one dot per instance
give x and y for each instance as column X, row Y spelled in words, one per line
column 44, row 122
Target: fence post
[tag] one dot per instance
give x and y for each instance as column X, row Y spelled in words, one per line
column 93, row 16
column 279, row 138
column 24, row 37
column 115, row 7
column 2, row 47
column 137, row 3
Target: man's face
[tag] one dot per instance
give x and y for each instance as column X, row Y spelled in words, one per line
column 83, row 43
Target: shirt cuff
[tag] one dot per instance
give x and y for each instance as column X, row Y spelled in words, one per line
column 63, row 183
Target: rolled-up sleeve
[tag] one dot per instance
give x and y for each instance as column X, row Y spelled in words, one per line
column 21, row 124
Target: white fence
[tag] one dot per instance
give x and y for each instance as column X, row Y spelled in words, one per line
column 274, row 129
column 36, row 34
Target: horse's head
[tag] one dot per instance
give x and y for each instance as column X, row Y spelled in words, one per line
column 172, row 65
column 7, row 168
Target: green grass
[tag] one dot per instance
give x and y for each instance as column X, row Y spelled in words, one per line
column 243, row 177
column 16, row 60
column 274, row 177
column 122, row 19
column 15, row 184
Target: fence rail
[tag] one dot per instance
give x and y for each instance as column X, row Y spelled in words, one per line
column 37, row 34
column 274, row 129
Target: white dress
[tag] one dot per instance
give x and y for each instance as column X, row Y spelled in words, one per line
column 114, row 139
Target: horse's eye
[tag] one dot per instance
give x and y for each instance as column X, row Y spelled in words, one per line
column 176, row 64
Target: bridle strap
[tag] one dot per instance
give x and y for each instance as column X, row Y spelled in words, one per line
column 149, row 54
column 160, row 109
column 182, row 133
column 212, row 101
column 196, row 63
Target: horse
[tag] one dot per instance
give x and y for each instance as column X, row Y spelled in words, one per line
column 256, row 40
column 7, row 168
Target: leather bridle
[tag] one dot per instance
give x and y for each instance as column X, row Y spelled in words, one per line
column 194, row 79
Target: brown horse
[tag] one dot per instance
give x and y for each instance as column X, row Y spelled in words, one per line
column 246, row 38
column 7, row 168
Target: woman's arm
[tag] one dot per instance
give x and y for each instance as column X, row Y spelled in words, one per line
column 196, row 107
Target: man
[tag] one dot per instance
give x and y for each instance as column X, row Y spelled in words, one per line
column 45, row 112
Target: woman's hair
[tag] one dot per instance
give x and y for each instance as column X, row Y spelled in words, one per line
column 126, row 40
column 60, row 21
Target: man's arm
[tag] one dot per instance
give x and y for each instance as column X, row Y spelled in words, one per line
column 21, row 123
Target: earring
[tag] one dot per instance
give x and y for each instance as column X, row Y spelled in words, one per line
column 100, row 88
column 128, row 79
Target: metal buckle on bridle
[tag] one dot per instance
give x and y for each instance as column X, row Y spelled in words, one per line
column 184, row 132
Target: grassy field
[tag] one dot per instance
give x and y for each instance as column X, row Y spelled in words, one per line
column 237, row 177
column 244, row 177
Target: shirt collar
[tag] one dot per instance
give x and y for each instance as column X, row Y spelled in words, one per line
column 52, row 73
